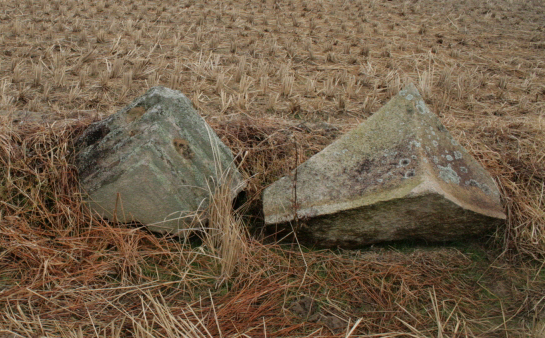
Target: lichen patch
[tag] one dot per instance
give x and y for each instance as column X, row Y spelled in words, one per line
column 135, row 113
column 183, row 148
column 448, row 174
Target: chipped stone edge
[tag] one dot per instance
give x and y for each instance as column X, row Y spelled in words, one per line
column 427, row 184
column 431, row 185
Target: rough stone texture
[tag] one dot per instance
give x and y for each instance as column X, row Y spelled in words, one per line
column 399, row 175
column 154, row 162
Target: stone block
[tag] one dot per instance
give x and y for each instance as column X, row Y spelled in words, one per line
column 399, row 175
column 154, row 162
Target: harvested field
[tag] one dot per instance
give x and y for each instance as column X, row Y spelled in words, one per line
column 278, row 80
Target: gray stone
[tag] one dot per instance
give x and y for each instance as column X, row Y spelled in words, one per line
column 399, row 175
column 154, row 162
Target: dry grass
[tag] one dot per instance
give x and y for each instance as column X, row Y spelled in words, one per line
column 67, row 273
column 277, row 88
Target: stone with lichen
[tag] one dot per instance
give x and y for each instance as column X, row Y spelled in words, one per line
column 399, row 175
column 154, row 162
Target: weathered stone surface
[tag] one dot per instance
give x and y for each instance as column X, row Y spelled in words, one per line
column 154, row 162
column 399, row 175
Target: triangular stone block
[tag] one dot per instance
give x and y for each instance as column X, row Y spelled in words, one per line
column 399, row 175
column 155, row 161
